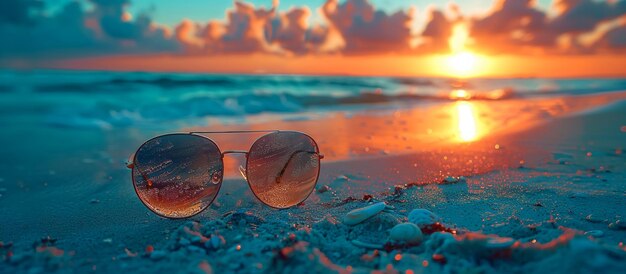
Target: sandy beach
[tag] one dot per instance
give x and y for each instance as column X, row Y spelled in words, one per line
column 313, row 136
column 530, row 185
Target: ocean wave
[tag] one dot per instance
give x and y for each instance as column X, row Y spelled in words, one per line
column 223, row 82
column 108, row 100
column 124, row 113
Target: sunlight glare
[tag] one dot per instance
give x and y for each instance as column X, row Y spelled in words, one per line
column 462, row 64
column 466, row 121
column 460, row 94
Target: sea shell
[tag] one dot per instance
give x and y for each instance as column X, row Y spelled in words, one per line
column 595, row 233
column 406, row 233
column 499, row 242
column 361, row 214
column 423, row 217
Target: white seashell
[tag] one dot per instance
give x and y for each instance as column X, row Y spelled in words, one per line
column 595, row 233
column 361, row 214
column 406, row 233
column 593, row 219
column 499, row 242
column 423, row 217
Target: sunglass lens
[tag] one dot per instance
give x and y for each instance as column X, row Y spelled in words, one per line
column 283, row 168
column 178, row 175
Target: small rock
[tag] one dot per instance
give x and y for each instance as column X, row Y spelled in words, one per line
column 157, row 255
column 453, row 180
column 107, row 240
column 423, row 217
column 595, row 233
column 617, row 225
column 406, row 233
column 361, row 214
column 593, row 219
column 94, row 201
column 324, row 188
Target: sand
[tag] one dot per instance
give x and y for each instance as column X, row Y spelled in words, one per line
column 539, row 187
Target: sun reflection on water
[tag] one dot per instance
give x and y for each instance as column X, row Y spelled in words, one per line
column 466, row 121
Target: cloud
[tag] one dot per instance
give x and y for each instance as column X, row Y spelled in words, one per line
column 105, row 27
column 511, row 25
column 579, row 16
column 436, row 33
column 367, row 30
column 291, row 32
column 517, row 25
column 613, row 40
column 72, row 31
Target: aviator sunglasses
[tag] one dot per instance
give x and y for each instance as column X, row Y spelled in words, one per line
column 179, row 175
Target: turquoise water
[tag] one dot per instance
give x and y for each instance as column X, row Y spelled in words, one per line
column 65, row 128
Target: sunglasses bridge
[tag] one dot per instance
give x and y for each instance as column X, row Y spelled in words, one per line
column 235, row 152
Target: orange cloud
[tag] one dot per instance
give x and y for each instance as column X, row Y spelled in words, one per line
column 349, row 27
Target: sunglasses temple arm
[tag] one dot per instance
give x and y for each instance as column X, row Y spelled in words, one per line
column 282, row 171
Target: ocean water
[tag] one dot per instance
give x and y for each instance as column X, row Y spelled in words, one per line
column 114, row 100
column 68, row 128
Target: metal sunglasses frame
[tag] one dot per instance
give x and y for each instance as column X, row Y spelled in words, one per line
column 130, row 164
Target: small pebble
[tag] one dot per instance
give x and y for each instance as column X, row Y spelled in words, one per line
column 593, row 219
column 453, row 180
column 107, row 240
column 94, row 201
column 423, row 217
column 617, row 225
column 406, row 233
column 322, row 189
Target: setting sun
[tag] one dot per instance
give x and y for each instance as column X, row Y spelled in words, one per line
column 462, row 64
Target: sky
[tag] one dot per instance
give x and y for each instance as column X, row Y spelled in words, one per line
column 474, row 38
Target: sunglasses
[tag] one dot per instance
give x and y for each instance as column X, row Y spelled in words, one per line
column 179, row 175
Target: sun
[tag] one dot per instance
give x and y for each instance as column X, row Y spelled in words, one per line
column 462, row 64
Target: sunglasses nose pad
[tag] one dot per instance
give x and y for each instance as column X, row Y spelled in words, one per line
column 242, row 170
